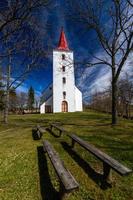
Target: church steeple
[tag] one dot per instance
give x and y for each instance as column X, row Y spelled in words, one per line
column 63, row 45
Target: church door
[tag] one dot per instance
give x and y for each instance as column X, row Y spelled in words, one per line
column 48, row 109
column 64, row 106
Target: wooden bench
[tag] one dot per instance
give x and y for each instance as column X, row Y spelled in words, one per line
column 108, row 162
column 40, row 131
column 59, row 128
column 67, row 181
column 37, row 132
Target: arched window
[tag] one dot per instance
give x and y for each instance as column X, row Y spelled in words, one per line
column 64, row 106
column 63, row 68
column 64, row 80
column 64, row 95
column 63, row 56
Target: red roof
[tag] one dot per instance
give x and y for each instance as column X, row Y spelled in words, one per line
column 63, row 45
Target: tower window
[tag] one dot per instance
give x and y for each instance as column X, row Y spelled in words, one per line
column 64, row 80
column 63, row 56
column 64, row 94
column 63, row 68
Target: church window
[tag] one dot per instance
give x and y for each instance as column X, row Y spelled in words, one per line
column 64, row 80
column 64, row 94
column 63, row 56
column 63, row 68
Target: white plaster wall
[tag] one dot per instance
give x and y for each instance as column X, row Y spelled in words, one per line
column 78, row 100
column 58, row 86
column 49, row 102
column 42, row 108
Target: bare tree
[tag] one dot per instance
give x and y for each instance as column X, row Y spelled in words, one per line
column 113, row 24
column 101, row 101
column 19, row 36
column 14, row 14
column 1, row 91
column 130, row 3
column 22, row 101
column 125, row 95
column 12, row 100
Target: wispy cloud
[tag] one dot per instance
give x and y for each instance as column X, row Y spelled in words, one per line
column 98, row 78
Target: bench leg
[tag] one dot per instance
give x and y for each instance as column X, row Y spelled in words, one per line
column 106, row 172
column 38, row 134
column 73, row 143
column 63, row 194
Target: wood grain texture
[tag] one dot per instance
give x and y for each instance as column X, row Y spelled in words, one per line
column 64, row 175
column 41, row 129
column 59, row 128
column 114, row 164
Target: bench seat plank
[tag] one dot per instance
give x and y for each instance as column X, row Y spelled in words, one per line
column 58, row 127
column 122, row 170
column 41, row 129
column 64, row 175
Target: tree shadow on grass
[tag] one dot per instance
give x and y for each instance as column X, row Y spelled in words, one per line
column 95, row 176
column 102, row 123
column 47, row 190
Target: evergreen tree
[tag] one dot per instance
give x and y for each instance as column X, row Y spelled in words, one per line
column 31, row 98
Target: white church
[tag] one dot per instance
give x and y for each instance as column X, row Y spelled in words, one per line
column 62, row 95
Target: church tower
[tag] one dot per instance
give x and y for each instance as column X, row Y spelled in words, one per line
column 63, row 77
column 62, row 95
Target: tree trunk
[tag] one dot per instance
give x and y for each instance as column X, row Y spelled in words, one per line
column 127, row 110
column 7, row 92
column 6, row 107
column 114, row 99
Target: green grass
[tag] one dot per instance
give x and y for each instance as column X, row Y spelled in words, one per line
column 27, row 174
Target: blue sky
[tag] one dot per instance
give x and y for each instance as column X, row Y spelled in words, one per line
column 79, row 40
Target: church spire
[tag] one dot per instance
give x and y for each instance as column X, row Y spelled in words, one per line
column 63, row 45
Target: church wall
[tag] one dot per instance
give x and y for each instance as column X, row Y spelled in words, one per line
column 49, row 102
column 78, row 100
column 42, row 108
column 62, row 95
column 58, row 86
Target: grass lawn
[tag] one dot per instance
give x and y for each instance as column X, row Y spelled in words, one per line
column 27, row 174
